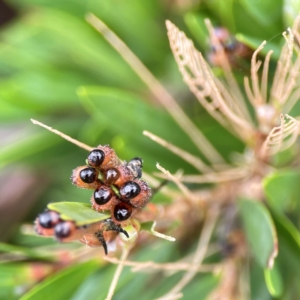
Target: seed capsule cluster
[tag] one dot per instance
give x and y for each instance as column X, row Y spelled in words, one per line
column 49, row 223
column 117, row 188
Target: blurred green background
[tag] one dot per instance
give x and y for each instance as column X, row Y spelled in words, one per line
column 55, row 68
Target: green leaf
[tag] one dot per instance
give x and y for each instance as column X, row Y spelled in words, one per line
column 24, row 252
column 129, row 115
column 289, row 234
column 126, row 112
column 282, row 189
column 254, row 43
column 81, row 213
column 258, row 287
column 30, row 143
column 63, row 285
column 260, row 231
column 274, row 282
column 196, row 25
column 141, row 39
column 263, row 12
column 289, row 254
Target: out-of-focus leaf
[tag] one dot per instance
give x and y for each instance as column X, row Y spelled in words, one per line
column 254, row 43
column 289, row 255
column 226, row 14
column 127, row 112
column 80, row 213
column 237, row 15
column 201, row 287
column 32, row 88
column 52, row 41
column 141, row 39
column 259, row 290
column 129, row 115
column 264, row 17
column 291, row 9
column 91, row 288
column 149, row 227
column 289, row 234
column 196, row 25
column 282, row 189
column 260, row 231
column 24, row 252
column 13, row 278
column 274, row 282
column 34, row 142
column 263, row 12
column 63, row 285
column 10, row 112
column 30, row 143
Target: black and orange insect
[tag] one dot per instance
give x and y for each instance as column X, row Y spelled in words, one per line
column 233, row 49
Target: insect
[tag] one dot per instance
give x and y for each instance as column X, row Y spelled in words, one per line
column 233, row 49
column 117, row 188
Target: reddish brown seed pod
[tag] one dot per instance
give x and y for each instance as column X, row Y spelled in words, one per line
column 45, row 223
column 122, row 212
column 96, row 158
column 117, row 176
column 136, row 192
column 110, row 159
column 66, row 231
column 104, row 198
column 85, row 177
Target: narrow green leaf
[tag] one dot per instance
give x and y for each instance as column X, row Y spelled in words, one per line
column 30, row 143
column 260, row 231
column 25, row 252
column 289, row 234
column 81, row 213
column 227, row 14
column 282, row 189
column 63, row 285
column 196, row 25
column 274, row 281
column 128, row 115
column 254, row 43
column 125, row 111
column 264, row 12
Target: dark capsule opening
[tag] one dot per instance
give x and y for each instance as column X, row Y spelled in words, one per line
column 122, row 211
column 129, row 190
column 136, row 161
column 48, row 219
column 110, row 176
column 88, row 175
column 63, row 230
column 136, row 165
column 102, row 195
column 96, row 158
